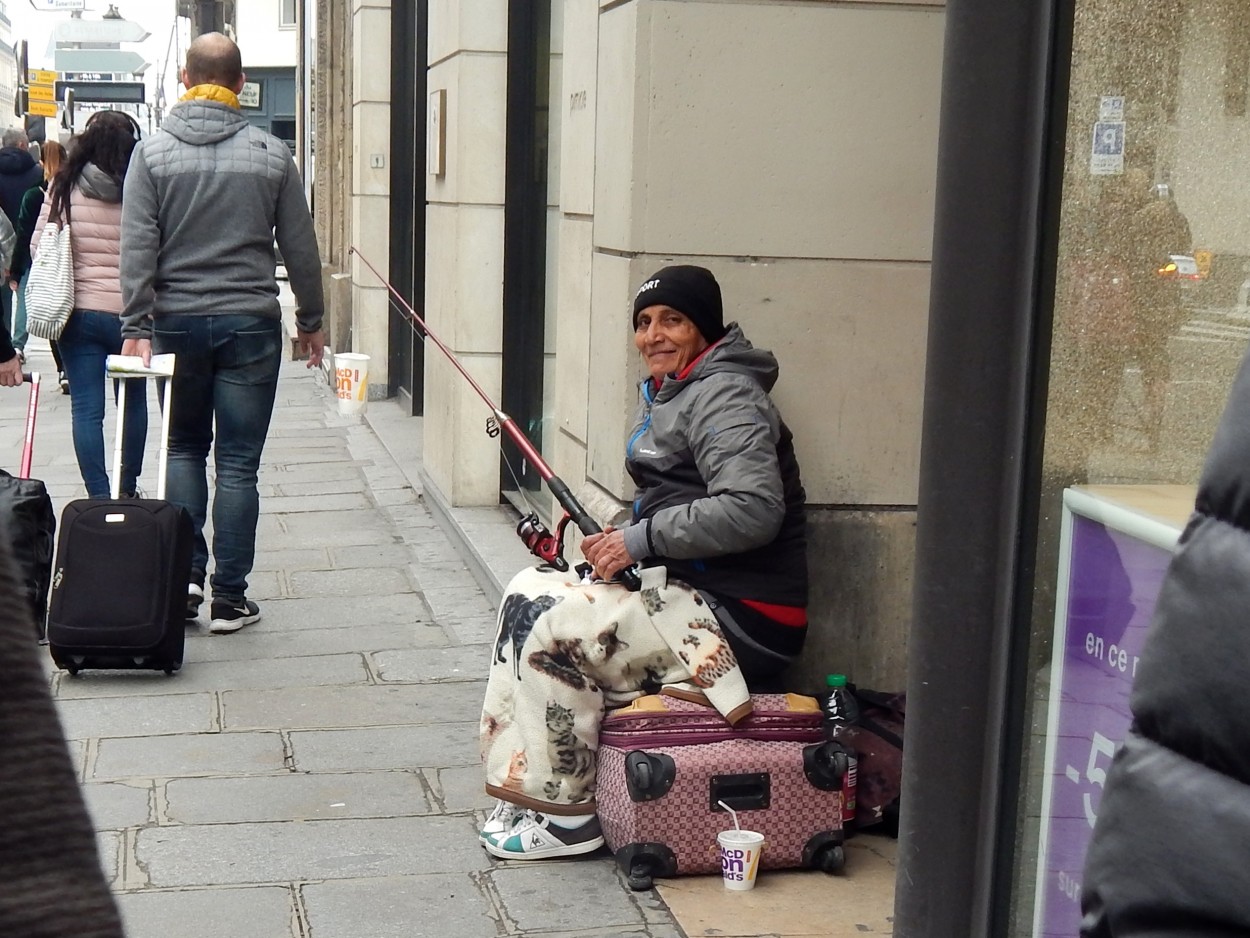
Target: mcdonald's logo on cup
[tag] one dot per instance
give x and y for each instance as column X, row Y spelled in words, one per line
column 351, row 374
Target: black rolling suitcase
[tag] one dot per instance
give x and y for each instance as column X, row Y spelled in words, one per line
column 28, row 521
column 119, row 586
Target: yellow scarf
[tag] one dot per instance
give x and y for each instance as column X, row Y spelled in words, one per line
column 216, row 93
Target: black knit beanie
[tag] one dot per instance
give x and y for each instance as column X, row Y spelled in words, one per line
column 690, row 290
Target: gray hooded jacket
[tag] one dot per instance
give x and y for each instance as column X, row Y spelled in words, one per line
column 719, row 497
column 204, row 199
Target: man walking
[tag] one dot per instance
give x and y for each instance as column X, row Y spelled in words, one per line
column 203, row 201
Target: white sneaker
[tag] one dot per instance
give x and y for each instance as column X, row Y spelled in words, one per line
column 535, row 837
column 500, row 819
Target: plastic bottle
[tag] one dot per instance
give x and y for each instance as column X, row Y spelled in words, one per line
column 841, row 711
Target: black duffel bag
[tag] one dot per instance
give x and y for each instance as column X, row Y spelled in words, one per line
column 28, row 523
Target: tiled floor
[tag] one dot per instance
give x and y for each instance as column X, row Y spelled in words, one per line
column 795, row 903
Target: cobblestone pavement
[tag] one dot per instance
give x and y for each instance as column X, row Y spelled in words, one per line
column 315, row 774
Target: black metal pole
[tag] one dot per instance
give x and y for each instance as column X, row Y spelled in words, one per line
column 980, row 387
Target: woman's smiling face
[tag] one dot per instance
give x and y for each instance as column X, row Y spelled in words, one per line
column 667, row 340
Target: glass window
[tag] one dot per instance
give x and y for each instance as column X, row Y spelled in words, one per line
column 284, row 129
column 1151, row 317
column 286, row 12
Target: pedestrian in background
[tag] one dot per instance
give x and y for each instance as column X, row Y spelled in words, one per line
column 8, row 241
column 18, row 172
column 86, row 193
column 205, row 199
column 52, row 155
column 49, row 863
column 10, row 361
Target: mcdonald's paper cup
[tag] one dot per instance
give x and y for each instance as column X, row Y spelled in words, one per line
column 351, row 373
column 740, row 858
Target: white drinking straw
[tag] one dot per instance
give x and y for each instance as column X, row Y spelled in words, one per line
column 732, row 813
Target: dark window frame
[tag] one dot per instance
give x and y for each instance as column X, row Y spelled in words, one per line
column 525, row 239
column 409, row 83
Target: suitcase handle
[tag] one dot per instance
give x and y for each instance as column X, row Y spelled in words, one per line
column 120, row 368
column 32, row 408
column 749, row 791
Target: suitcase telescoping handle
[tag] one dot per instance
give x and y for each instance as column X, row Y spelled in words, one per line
column 32, row 408
column 124, row 367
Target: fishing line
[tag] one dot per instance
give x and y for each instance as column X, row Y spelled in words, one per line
column 544, row 544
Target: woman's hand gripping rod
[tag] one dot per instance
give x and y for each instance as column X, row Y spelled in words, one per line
column 542, row 543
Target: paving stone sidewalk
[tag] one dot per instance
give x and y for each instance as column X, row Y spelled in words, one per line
column 314, row 775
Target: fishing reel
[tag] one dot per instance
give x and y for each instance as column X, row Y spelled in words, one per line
column 547, row 547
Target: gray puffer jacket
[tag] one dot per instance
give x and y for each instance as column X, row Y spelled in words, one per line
column 719, row 498
column 204, row 200
column 1169, row 855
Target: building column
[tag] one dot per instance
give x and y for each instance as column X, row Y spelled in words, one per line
column 331, row 192
column 464, row 246
column 371, row 184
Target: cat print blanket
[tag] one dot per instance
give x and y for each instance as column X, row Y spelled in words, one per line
column 566, row 649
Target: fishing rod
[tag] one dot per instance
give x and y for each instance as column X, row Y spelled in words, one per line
column 542, row 543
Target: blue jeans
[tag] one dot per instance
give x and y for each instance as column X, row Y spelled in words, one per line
column 7, row 301
column 227, row 367
column 87, row 339
column 20, row 335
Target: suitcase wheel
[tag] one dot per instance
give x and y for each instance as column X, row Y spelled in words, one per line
column 831, row 860
column 825, row 852
column 639, row 876
column 72, row 665
column 825, row 764
column 648, row 776
column 641, row 862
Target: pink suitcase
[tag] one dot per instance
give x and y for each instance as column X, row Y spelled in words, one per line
column 665, row 762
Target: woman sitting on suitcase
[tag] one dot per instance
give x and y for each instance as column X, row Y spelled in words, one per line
column 86, row 194
column 718, row 535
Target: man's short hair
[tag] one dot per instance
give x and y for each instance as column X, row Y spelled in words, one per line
column 15, row 137
column 214, row 59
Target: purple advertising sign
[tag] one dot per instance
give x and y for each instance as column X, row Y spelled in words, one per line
column 1112, row 582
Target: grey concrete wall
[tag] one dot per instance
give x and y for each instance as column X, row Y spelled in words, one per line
column 861, row 563
column 790, row 147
